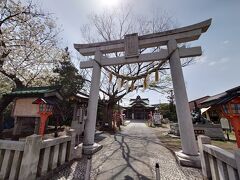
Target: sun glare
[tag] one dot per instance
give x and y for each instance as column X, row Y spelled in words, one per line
column 109, row 3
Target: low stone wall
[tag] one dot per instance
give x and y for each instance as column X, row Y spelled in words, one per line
column 10, row 158
column 218, row 163
column 34, row 157
column 214, row 131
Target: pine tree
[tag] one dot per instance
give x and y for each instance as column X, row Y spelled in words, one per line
column 69, row 77
column 71, row 83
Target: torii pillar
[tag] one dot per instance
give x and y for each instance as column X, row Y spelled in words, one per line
column 89, row 147
column 189, row 155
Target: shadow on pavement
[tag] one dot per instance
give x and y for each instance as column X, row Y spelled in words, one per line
column 126, row 155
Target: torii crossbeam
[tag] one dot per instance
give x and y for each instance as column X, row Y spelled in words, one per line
column 131, row 45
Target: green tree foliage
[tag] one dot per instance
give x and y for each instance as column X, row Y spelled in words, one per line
column 168, row 110
column 69, row 77
column 71, row 83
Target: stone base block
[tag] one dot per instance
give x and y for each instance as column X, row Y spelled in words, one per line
column 78, row 151
column 91, row 149
column 188, row 160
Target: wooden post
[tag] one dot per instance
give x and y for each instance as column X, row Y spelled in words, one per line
column 30, row 158
column 237, row 157
column 204, row 158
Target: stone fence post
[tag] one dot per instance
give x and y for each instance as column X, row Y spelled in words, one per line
column 30, row 157
column 204, row 159
column 237, row 158
column 71, row 133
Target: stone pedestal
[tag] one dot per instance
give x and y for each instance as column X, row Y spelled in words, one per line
column 188, row 160
column 91, row 149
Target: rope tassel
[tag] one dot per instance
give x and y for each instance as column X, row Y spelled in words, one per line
column 110, row 77
column 156, row 76
column 126, row 86
column 122, row 82
column 132, row 86
column 145, row 83
column 119, row 84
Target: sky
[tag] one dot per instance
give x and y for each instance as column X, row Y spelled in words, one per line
column 217, row 70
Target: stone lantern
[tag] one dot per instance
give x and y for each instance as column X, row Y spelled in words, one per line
column 45, row 110
column 231, row 110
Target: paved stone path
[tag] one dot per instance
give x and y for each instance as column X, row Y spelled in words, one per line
column 131, row 154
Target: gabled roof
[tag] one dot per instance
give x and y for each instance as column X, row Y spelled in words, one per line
column 200, row 99
column 222, row 97
column 44, row 101
column 34, row 90
column 214, row 98
column 139, row 100
column 141, row 104
column 45, row 91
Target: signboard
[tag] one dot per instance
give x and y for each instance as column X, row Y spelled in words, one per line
column 157, row 118
column 25, row 108
column 225, row 124
column 199, row 132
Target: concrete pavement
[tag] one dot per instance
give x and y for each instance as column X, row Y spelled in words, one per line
column 130, row 155
column 133, row 153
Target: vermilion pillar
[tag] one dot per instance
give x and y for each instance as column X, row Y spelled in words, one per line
column 43, row 119
column 235, row 122
column 231, row 111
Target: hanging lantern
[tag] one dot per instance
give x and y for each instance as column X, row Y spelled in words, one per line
column 45, row 110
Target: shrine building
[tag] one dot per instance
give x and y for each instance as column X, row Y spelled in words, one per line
column 138, row 109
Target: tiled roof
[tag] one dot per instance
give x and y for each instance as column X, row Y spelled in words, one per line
column 222, row 97
column 33, row 90
column 213, row 98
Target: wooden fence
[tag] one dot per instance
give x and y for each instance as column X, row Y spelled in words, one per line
column 217, row 163
column 34, row 158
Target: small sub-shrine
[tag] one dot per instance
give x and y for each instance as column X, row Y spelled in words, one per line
column 32, row 107
column 227, row 105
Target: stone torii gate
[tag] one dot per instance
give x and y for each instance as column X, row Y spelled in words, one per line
column 131, row 45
